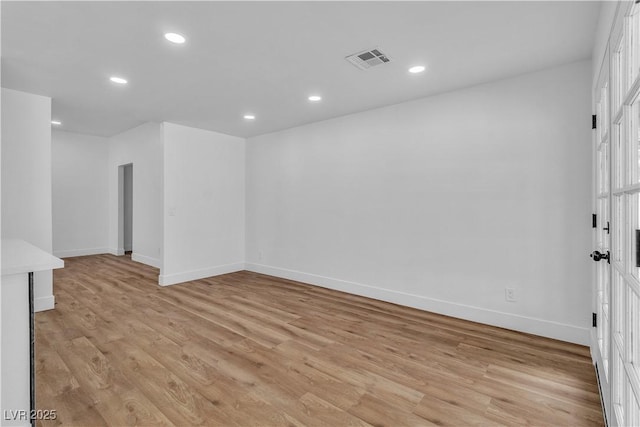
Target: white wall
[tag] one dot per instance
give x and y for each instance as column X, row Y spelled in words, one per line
column 1, row 246
column 26, row 179
column 439, row 203
column 204, row 200
column 141, row 146
column 80, row 194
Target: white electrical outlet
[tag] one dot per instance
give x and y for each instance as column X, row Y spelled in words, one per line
column 510, row 294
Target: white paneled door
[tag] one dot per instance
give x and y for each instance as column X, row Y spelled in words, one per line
column 616, row 342
column 602, row 227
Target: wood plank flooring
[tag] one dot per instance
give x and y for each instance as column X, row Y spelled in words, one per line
column 245, row 349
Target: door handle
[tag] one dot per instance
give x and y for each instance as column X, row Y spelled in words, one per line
column 597, row 256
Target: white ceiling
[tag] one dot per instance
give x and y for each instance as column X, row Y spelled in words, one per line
column 267, row 57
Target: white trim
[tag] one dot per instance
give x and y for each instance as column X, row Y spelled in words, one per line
column 186, row 276
column 81, row 252
column 44, row 303
column 153, row 262
column 605, row 392
column 116, row 252
column 531, row 325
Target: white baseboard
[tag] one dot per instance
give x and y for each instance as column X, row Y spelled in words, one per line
column 545, row 328
column 172, row 279
column 116, row 252
column 153, row 262
column 44, row 303
column 81, row 252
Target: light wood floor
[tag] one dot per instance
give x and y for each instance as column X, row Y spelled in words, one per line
column 245, row 349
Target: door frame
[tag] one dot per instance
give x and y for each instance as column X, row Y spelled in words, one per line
column 121, row 204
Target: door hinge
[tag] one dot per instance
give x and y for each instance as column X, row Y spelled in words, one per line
column 594, row 320
column 594, row 121
column 637, row 248
column 594, row 221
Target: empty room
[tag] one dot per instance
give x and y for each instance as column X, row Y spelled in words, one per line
column 330, row 213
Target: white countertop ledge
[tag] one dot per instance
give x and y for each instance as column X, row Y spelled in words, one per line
column 19, row 257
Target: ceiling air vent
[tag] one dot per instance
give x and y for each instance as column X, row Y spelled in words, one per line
column 368, row 58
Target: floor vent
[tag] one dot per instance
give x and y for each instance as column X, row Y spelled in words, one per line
column 368, row 59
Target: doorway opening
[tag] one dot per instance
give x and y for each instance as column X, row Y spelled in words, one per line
column 125, row 208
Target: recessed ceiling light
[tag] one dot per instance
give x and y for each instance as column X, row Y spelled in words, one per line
column 56, row 122
column 175, row 38
column 118, row 80
column 417, row 69
column 315, row 98
column 249, row 117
